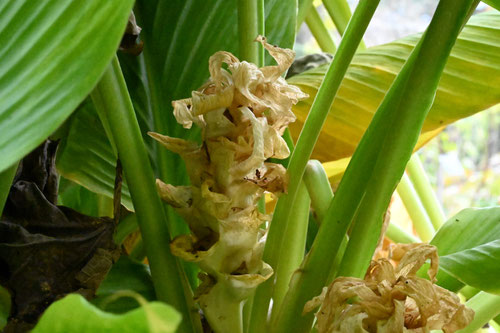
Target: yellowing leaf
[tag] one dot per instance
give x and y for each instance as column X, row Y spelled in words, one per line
column 470, row 83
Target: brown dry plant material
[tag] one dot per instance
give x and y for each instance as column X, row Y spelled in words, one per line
column 242, row 111
column 391, row 299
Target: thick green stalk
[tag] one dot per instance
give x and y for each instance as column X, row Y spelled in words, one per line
column 247, row 313
column 425, row 191
column 340, row 13
column 261, row 25
column 223, row 311
column 112, row 101
column 138, row 253
column 415, row 209
column 294, row 240
column 319, row 31
column 468, row 292
column 321, row 194
column 248, row 30
column 127, row 225
column 398, row 235
column 409, row 109
column 301, row 154
column 304, row 7
column 6, row 178
column 486, row 307
column 494, row 323
column 318, row 186
column 314, row 273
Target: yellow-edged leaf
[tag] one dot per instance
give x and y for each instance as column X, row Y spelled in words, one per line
column 470, row 83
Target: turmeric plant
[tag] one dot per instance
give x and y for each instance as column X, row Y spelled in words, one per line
column 259, row 268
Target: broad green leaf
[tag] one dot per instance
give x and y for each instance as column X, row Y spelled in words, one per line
column 478, row 267
column 86, row 157
column 74, row 314
column 470, row 228
column 125, row 275
column 53, row 53
column 5, row 304
column 471, row 235
column 470, row 83
column 493, row 3
column 86, row 147
column 77, row 197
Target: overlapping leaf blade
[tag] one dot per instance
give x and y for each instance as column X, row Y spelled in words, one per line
column 86, row 156
column 125, row 275
column 477, row 267
column 74, row 314
column 52, row 54
column 470, row 83
column 469, row 247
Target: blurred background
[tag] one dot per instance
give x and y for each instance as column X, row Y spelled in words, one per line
column 463, row 161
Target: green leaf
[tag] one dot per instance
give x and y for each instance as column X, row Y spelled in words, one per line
column 125, row 275
column 74, row 314
column 493, row 3
column 77, row 197
column 478, row 267
column 53, row 53
column 469, row 228
column 470, row 83
column 87, row 147
column 466, row 242
column 86, row 157
column 5, row 304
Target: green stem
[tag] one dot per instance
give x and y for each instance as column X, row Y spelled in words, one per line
column 425, row 191
column 261, row 19
column 320, row 32
column 318, row 186
column 304, row 8
column 113, row 104
column 104, row 205
column 468, row 292
column 248, row 30
column 415, row 209
column 298, row 161
column 247, row 313
column 6, row 178
column 407, row 102
column 494, row 323
column 340, row 13
column 138, row 252
column 294, row 244
column 223, row 311
column 486, row 307
column 321, row 195
column 126, row 226
column 398, row 235
column 314, row 272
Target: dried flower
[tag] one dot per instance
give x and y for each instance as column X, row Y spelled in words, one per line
column 391, row 299
column 242, row 112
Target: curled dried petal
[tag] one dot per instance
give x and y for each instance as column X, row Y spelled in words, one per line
column 415, row 257
column 175, row 145
column 203, row 103
column 392, row 299
column 242, row 111
column 184, row 115
column 284, row 59
column 176, row 196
